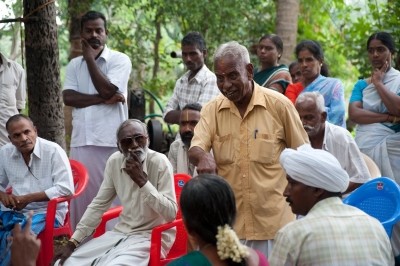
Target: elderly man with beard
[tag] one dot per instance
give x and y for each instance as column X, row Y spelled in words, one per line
column 331, row 233
column 331, row 138
column 143, row 180
column 178, row 151
column 96, row 87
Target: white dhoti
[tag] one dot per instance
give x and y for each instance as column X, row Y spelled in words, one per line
column 113, row 248
column 94, row 158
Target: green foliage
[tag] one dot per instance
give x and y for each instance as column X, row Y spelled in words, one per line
column 132, row 27
column 149, row 30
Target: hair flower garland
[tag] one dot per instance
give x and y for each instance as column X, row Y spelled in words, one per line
column 229, row 246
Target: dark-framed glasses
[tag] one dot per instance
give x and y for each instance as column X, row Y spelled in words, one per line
column 138, row 139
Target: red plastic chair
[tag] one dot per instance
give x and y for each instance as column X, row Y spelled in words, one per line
column 110, row 214
column 180, row 180
column 179, row 247
column 46, row 253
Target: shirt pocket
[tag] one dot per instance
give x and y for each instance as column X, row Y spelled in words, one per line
column 223, row 149
column 263, row 149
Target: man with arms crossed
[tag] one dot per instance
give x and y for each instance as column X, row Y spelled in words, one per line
column 12, row 91
column 96, row 86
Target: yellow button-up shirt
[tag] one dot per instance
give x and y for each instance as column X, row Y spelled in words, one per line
column 247, row 150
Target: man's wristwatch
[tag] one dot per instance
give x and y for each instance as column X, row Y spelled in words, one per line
column 73, row 241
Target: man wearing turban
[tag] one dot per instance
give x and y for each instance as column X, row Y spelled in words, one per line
column 331, row 233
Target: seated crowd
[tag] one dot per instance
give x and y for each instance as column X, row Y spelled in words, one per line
column 267, row 149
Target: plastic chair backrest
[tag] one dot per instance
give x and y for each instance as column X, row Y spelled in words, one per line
column 379, row 198
column 180, row 180
column 179, row 247
column 81, row 179
column 372, row 167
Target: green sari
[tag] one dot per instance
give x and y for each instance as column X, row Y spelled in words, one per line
column 194, row 258
column 265, row 77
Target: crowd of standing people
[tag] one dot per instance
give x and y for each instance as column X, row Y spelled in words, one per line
column 251, row 138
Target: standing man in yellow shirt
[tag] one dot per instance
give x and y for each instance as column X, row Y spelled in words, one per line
column 248, row 127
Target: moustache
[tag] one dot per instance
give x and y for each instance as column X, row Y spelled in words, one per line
column 187, row 135
column 95, row 43
column 137, row 152
column 306, row 127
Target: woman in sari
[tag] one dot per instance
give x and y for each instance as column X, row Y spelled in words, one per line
column 375, row 107
column 271, row 74
column 209, row 210
column 311, row 59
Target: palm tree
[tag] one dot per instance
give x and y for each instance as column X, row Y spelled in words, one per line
column 287, row 12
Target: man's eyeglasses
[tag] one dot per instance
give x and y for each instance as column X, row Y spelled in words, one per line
column 139, row 139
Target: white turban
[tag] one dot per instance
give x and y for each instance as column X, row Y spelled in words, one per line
column 315, row 168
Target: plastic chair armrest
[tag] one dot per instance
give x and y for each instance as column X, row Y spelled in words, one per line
column 108, row 215
column 47, row 234
column 155, row 247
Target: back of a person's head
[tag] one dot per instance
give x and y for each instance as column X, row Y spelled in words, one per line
column 207, row 201
column 208, row 206
column 194, row 38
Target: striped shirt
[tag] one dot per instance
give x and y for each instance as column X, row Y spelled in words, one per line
column 332, row 234
column 200, row 89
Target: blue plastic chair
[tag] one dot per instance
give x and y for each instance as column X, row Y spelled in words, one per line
column 379, row 198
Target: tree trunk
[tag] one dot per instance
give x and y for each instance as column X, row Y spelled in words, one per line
column 75, row 10
column 43, row 70
column 287, row 12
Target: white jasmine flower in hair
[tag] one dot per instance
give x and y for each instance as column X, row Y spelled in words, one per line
column 229, row 246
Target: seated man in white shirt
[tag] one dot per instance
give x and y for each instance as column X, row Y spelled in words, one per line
column 331, row 138
column 177, row 155
column 331, row 233
column 33, row 171
column 143, row 181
